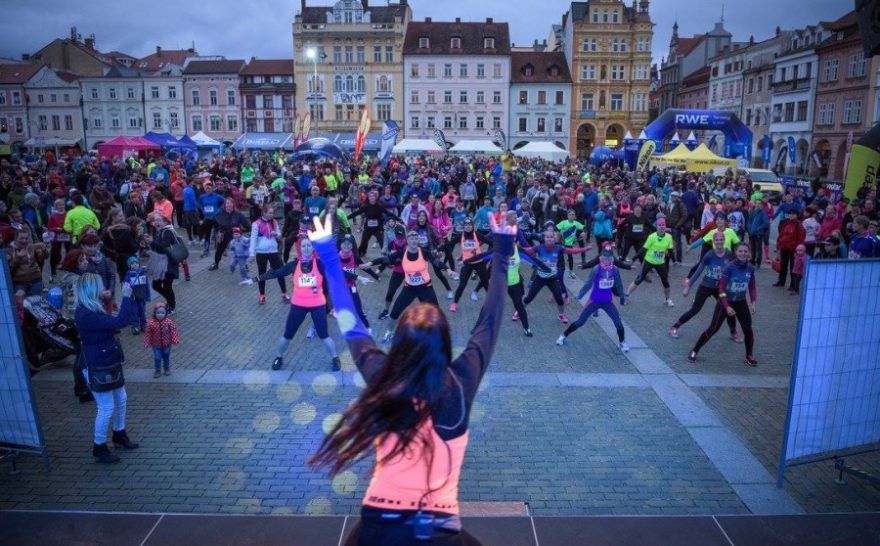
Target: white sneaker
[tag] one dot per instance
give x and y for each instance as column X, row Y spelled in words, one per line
column 454, row 276
column 387, row 337
column 571, row 275
column 560, row 341
column 311, row 333
column 449, row 294
column 669, row 303
column 474, row 296
column 246, row 282
column 374, row 245
column 624, row 347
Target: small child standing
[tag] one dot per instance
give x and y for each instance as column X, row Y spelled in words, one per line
column 161, row 333
column 241, row 248
column 797, row 269
column 136, row 276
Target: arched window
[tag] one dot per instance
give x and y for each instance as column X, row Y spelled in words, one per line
column 362, row 84
column 384, row 84
column 337, row 84
column 349, row 83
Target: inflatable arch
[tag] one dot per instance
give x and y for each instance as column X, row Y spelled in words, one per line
column 737, row 137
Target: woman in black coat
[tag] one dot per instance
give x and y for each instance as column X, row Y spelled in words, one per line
column 225, row 220
column 161, row 243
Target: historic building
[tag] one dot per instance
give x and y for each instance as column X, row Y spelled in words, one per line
column 540, row 98
column 54, row 112
column 687, row 56
column 693, row 92
column 14, row 126
column 608, row 48
column 113, row 105
column 267, row 95
column 163, row 89
column 348, row 56
column 78, row 55
column 211, row 98
column 760, row 62
column 457, row 78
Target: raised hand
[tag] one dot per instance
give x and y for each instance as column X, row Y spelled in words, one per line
column 503, row 228
column 321, row 231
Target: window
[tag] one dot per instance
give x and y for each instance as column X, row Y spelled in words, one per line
column 447, row 70
column 251, row 125
column 43, row 123
column 431, row 99
column 112, row 93
column 361, row 54
column 462, row 71
column 826, row 114
column 66, row 98
column 414, row 122
column 250, row 102
column 377, row 54
column 115, row 122
column 40, row 98
column 496, row 70
column 588, row 72
column 157, row 120
column 761, row 85
column 560, row 97
column 154, row 92
column 463, row 122
column 212, row 99
column 856, row 67
column 522, row 125
column 640, row 72
column 542, row 125
column 750, row 87
column 389, row 54
column 447, row 122
column 789, row 111
column 68, row 122
column 232, row 124
column 523, row 97
column 463, row 97
column 196, row 101
column 614, row 16
column 542, row 97
column 53, row 97
column 3, row 101
column 489, row 43
column 852, row 111
column 414, row 70
column 383, row 111
column 173, row 120
column 587, row 101
column 618, row 46
column 496, row 97
column 595, row 16
column 643, row 44
column 197, row 123
column 557, row 125
column 481, row 97
column 802, row 110
column 94, row 94
column 748, row 116
column 129, row 93
column 480, row 124
column 413, row 97
column 496, row 122
column 447, row 97
column 230, row 97
column 268, row 102
column 455, row 43
column 481, row 71
column 286, row 102
column 618, row 72
column 172, row 92
column 431, row 73
column 829, row 71
column 429, row 122
column 97, row 122
column 424, row 43
column 639, row 102
column 338, row 112
column 337, row 54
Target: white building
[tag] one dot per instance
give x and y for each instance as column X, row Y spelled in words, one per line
column 456, row 78
column 113, row 105
column 540, row 98
column 792, row 103
column 54, row 112
column 726, row 78
column 163, row 89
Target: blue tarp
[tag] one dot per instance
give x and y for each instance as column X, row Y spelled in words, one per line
column 186, row 143
column 264, row 141
column 164, row 140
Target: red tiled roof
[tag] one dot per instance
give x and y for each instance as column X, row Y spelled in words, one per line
column 268, row 67
column 699, row 77
column 156, row 61
column 214, row 67
column 686, row 45
column 17, row 73
column 69, row 77
column 119, row 54
column 848, row 20
column 541, row 62
column 472, row 38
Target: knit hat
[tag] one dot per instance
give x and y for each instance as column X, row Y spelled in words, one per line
column 133, row 260
column 159, row 305
column 236, row 229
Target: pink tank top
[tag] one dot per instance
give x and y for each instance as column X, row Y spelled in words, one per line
column 307, row 287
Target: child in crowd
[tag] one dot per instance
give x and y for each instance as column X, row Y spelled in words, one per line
column 797, row 269
column 161, row 333
column 136, row 276
column 240, row 251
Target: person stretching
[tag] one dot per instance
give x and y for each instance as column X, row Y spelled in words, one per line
column 550, row 254
column 470, row 247
column 656, row 247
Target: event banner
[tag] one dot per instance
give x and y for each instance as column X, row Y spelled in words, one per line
column 791, row 182
column 297, row 130
column 306, row 126
column 863, row 165
column 500, row 139
column 361, row 133
column 440, row 139
column 645, row 154
column 390, row 130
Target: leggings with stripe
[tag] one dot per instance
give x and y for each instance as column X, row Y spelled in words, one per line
column 610, row 310
column 743, row 315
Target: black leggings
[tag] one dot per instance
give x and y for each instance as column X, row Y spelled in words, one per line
column 515, row 291
column 593, row 307
column 374, row 529
column 359, row 307
column 662, row 272
column 207, row 226
column 222, row 242
column 393, row 285
column 743, row 315
column 55, row 257
column 703, row 293
column 438, row 272
column 297, row 315
column 482, row 274
column 164, row 288
column 274, row 260
column 375, row 232
column 540, row 282
column 425, row 294
column 629, row 243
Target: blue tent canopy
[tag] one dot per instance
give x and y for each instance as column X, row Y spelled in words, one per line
column 318, row 148
column 264, row 141
column 600, row 155
column 164, row 140
column 186, row 143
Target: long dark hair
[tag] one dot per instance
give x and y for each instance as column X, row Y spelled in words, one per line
column 406, row 390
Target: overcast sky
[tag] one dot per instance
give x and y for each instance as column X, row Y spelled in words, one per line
column 218, row 27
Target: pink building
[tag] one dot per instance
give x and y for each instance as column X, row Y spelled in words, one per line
column 13, row 102
column 212, row 100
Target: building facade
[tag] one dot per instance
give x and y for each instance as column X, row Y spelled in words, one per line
column 347, row 57
column 163, row 89
column 608, row 48
column 726, row 80
column 54, row 110
column 693, row 93
column 212, row 100
column 756, row 102
column 540, row 98
column 78, row 55
column 457, row 78
column 843, row 94
column 113, row 105
column 267, row 95
column 14, row 126
column 687, row 56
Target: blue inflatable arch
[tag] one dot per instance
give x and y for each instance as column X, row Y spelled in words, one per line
column 737, row 137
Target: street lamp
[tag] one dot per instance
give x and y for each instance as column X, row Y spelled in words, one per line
column 312, row 54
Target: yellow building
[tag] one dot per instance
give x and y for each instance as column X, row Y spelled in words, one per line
column 348, row 56
column 608, row 48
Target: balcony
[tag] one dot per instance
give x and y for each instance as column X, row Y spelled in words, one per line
column 586, row 113
column 789, row 86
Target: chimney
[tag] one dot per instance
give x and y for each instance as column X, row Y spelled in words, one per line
column 25, row 57
column 488, row 20
column 366, row 7
column 778, row 30
column 302, row 5
column 427, row 19
column 458, row 19
column 158, row 50
column 90, row 41
column 73, row 34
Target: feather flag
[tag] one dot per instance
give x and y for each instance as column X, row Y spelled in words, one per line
column 297, row 130
column 361, row 134
column 390, row 130
column 306, row 126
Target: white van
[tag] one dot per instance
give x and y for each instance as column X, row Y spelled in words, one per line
column 767, row 180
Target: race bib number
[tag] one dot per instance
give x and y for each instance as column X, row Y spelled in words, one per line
column 554, row 208
column 511, row 263
column 63, row 237
column 209, row 209
column 415, row 279
column 349, row 270
column 308, row 281
column 738, row 286
column 713, row 273
column 48, row 236
column 469, row 245
column 423, row 240
column 313, row 210
column 606, row 284
column 372, row 223
column 660, row 255
column 638, row 229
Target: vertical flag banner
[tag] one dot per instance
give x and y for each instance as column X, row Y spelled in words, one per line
column 306, row 126
column 361, row 134
column 297, row 130
column 390, row 130
column 792, row 150
column 766, row 148
column 500, row 139
column 713, row 143
column 645, row 154
column 440, row 139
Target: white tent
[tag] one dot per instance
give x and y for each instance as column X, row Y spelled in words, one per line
column 416, row 146
column 204, row 141
column 544, row 150
column 483, row 147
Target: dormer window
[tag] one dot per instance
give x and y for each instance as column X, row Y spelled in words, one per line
column 554, row 71
column 455, row 43
column 488, row 43
column 424, row 43
column 528, row 70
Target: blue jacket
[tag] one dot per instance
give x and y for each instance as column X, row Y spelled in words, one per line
column 758, row 223
column 189, row 199
column 602, row 225
column 591, row 203
column 97, row 331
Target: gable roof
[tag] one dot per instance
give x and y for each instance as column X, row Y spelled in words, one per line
column 214, row 67
column 686, row 45
column 378, row 14
column 268, row 67
column 17, row 73
column 541, row 63
column 163, row 57
column 472, row 38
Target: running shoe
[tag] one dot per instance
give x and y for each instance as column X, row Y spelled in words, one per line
column 277, row 363
column 751, row 361
column 571, row 275
column 453, row 307
column 311, row 333
column 736, row 337
column 474, row 296
column 563, row 318
column 527, row 333
column 669, row 303
column 167, row 372
column 284, row 298
column 387, row 337
column 246, row 282
column 449, row 295
column 262, row 299
column 672, row 331
column 515, row 316
column 212, row 267
column 454, row 276
column 187, row 278
column 692, row 357
column 383, row 315
column 624, row 347
column 335, row 364
column 560, row 340
column 156, row 374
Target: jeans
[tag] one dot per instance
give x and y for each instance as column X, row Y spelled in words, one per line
column 677, row 235
column 241, row 262
column 161, row 358
column 139, row 314
column 110, row 404
column 29, row 288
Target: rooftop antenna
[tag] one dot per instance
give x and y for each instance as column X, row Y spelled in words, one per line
column 722, row 13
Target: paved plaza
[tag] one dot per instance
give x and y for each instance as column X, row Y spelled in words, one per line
column 575, row 430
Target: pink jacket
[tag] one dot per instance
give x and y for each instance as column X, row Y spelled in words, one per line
column 829, row 225
column 442, row 224
column 799, row 264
